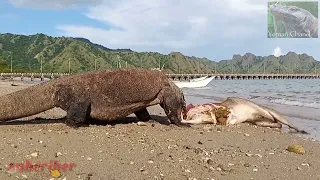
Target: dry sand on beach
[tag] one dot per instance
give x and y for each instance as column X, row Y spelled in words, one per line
column 153, row 150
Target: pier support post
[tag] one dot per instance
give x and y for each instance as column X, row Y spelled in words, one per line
column 52, row 76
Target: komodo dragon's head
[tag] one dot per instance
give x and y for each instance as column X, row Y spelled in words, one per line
column 180, row 97
column 294, row 18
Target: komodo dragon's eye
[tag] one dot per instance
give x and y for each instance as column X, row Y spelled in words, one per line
column 305, row 18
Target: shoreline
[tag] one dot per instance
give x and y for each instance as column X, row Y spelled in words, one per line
column 153, row 150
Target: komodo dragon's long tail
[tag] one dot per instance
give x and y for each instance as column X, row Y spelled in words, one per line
column 26, row 102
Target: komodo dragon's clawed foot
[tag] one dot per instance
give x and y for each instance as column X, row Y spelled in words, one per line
column 77, row 125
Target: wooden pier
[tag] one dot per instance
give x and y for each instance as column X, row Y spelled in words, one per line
column 244, row 76
column 31, row 76
column 43, row 76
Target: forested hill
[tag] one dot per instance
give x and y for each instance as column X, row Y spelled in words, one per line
column 55, row 52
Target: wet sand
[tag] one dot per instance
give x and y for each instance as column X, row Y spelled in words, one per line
column 154, row 150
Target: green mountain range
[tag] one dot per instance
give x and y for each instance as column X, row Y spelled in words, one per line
column 56, row 53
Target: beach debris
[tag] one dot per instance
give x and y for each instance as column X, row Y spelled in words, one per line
column 35, row 154
column 55, row 173
column 259, row 155
column 89, row 158
column 298, row 149
column 207, row 128
column 13, row 145
column 24, row 176
column 140, row 123
column 209, row 161
column 143, row 171
column 212, row 168
column 255, row 170
column 299, row 168
column 198, row 150
column 245, row 134
column 224, row 169
column 58, row 154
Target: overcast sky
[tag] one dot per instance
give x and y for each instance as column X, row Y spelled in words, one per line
column 214, row 29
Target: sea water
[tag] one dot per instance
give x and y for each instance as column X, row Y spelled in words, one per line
column 297, row 99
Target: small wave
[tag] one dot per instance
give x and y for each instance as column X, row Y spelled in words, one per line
column 254, row 97
column 203, row 88
column 290, row 96
column 296, row 103
column 201, row 96
column 232, row 92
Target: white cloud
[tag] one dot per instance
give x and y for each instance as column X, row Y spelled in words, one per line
column 166, row 24
column 205, row 28
column 52, row 4
column 277, row 52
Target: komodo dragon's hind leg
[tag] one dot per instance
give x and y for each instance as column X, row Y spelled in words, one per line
column 143, row 115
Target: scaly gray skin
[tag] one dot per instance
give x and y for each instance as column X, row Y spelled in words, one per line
column 247, row 111
column 296, row 19
column 99, row 95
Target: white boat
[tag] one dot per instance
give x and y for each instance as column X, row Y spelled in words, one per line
column 195, row 83
column 198, row 79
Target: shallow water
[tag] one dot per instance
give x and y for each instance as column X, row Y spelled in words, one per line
column 297, row 99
